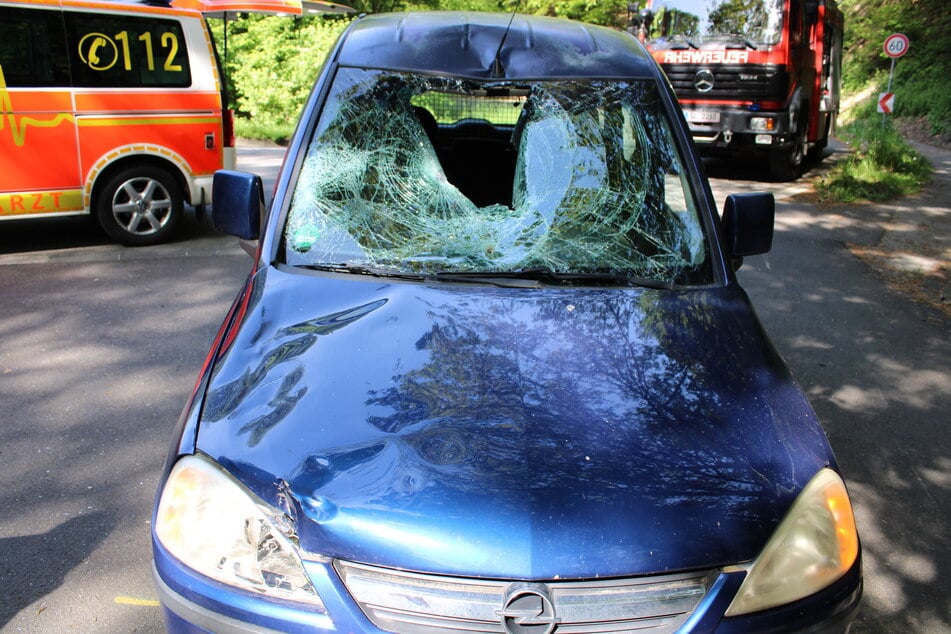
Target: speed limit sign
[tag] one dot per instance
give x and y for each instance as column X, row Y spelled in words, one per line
column 896, row 45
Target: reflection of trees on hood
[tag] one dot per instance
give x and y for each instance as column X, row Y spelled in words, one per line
column 601, row 389
column 456, row 384
column 517, row 361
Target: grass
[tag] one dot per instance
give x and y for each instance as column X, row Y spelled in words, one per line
column 881, row 166
column 248, row 129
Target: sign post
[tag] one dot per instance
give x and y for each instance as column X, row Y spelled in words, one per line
column 896, row 45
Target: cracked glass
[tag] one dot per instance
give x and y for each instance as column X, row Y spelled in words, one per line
column 418, row 174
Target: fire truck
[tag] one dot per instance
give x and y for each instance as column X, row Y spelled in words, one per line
column 754, row 77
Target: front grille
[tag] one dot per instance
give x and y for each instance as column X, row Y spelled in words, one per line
column 731, row 81
column 409, row 603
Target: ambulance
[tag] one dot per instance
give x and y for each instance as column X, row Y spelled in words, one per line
column 114, row 109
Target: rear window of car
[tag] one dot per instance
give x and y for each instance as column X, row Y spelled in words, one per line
column 450, row 108
column 424, row 174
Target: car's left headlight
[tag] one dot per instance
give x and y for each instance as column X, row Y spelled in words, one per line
column 216, row 526
column 814, row 546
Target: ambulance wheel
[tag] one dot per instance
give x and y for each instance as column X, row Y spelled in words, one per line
column 139, row 206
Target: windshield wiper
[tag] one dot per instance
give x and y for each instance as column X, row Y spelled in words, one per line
column 686, row 43
column 523, row 278
column 742, row 44
column 547, row 276
column 359, row 269
column 735, row 40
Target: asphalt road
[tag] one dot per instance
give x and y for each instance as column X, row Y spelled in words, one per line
column 101, row 345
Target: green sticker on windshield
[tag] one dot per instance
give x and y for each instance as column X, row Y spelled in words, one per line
column 305, row 237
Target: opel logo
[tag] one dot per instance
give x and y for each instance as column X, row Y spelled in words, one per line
column 703, row 81
column 528, row 610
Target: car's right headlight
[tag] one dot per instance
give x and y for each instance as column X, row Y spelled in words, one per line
column 216, row 526
column 814, row 546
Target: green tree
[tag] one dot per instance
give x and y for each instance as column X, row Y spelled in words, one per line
column 458, row 5
column 608, row 13
column 272, row 63
column 669, row 22
column 385, row 6
column 737, row 16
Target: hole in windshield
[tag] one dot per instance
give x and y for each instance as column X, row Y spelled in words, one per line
column 424, row 175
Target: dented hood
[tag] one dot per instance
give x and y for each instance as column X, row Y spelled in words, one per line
column 510, row 433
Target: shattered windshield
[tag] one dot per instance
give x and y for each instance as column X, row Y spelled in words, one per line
column 426, row 175
column 693, row 22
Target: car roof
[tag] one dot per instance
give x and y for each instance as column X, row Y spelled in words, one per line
column 464, row 44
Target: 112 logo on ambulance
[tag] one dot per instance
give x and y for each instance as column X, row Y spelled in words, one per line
column 101, row 52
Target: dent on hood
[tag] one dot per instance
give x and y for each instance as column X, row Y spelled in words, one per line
column 280, row 354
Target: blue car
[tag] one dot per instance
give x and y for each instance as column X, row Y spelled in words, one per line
column 492, row 370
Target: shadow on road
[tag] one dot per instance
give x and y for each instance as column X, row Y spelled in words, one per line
column 44, row 234
column 76, row 232
column 96, row 359
column 757, row 169
column 35, row 565
column 875, row 366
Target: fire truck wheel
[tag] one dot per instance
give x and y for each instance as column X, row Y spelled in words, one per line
column 140, row 205
column 786, row 164
column 816, row 151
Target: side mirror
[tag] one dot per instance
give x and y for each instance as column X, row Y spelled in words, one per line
column 748, row 225
column 237, row 204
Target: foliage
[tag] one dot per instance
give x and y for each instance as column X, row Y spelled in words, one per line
column 272, row 62
column 606, row 12
column 454, row 5
column 385, row 6
column 880, row 167
column 921, row 76
column 251, row 129
column 737, row 16
column 669, row 22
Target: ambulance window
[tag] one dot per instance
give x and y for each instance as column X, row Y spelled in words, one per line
column 32, row 48
column 122, row 51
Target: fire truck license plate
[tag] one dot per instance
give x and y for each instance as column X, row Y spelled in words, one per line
column 702, row 116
